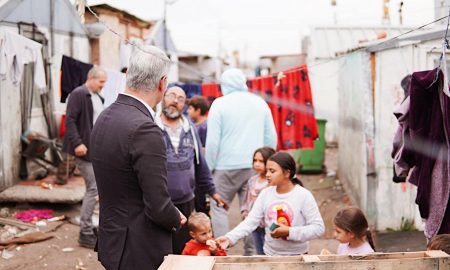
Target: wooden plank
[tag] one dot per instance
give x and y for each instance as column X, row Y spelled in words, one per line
column 434, row 260
column 413, row 264
column 17, row 223
column 436, row 254
column 179, row 262
column 258, row 258
column 311, row 258
column 374, row 256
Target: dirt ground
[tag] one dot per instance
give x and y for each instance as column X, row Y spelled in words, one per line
column 63, row 253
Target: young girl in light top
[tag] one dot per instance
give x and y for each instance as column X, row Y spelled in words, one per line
column 352, row 231
column 256, row 184
column 290, row 213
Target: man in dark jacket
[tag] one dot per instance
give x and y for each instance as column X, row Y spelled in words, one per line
column 186, row 167
column 137, row 216
column 83, row 108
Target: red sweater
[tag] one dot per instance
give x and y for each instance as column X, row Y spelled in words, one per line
column 192, row 248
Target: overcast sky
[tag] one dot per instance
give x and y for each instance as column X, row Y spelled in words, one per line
column 262, row 27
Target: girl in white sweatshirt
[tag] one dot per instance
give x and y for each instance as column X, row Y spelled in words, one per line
column 290, row 213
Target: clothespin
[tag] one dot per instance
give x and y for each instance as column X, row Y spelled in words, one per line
column 81, row 5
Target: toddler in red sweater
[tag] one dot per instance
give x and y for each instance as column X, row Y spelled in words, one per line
column 201, row 243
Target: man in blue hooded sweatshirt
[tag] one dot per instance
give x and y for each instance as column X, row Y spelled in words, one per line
column 238, row 123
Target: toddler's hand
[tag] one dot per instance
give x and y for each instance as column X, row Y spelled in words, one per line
column 212, row 245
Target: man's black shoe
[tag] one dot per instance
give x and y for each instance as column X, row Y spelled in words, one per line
column 87, row 240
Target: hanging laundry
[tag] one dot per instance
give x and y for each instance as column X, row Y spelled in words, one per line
column 15, row 52
column 421, row 148
column 74, row 74
column 114, row 85
column 191, row 89
column 298, row 126
column 267, row 89
column 211, row 91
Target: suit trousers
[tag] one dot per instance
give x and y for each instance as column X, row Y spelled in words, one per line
column 181, row 237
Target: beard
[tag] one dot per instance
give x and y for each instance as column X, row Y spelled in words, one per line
column 171, row 113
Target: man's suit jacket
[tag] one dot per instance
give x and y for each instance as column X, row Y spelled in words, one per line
column 137, row 217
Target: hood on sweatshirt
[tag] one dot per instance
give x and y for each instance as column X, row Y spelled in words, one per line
column 233, row 80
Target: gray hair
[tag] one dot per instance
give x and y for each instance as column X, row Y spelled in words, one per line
column 94, row 71
column 148, row 65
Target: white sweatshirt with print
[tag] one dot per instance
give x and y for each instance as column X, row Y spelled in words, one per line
column 304, row 216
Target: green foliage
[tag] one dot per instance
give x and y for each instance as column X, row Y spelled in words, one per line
column 406, row 225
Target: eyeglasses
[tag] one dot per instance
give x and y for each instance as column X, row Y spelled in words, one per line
column 172, row 97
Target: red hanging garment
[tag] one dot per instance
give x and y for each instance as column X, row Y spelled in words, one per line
column 211, row 91
column 298, row 126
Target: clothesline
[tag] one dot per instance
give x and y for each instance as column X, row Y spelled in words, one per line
column 313, row 65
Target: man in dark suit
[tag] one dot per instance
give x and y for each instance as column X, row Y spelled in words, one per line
column 137, row 216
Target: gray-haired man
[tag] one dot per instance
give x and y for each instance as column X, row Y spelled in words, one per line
column 83, row 108
column 137, row 216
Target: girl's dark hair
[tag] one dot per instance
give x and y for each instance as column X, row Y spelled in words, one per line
column 287, row 163
column 440, row 242
column 266, row 152
column 352, row 219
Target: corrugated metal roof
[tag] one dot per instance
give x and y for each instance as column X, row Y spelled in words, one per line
column 328, row 41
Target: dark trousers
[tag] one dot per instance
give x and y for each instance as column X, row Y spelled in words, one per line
column 200, row 202
column 181, row 237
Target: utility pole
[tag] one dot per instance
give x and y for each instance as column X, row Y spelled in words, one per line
column 164, row 25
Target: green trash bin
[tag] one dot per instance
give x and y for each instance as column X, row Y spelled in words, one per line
column 311, row 160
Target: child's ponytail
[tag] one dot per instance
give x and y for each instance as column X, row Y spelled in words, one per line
column 369, row 237
column 297, row 181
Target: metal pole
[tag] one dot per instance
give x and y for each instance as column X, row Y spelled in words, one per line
column 52, row 30
column 165, row 27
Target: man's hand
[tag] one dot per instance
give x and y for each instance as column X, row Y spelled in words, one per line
column 183, row 219
column 220, row 202
column 80, row 150
column 281, row 231
column 223, row 242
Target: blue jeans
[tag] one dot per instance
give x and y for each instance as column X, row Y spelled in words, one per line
column 258, row 238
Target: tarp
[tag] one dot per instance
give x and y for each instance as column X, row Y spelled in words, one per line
column 38, row 12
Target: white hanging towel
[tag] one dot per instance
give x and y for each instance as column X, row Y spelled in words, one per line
column 115, row 84
column 15, row 52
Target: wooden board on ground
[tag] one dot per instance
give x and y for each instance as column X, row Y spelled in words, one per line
column 33, row 191
column 426, row 260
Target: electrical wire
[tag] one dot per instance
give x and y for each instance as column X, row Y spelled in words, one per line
column 300, row 68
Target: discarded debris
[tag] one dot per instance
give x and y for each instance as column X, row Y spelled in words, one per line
column 7, row 254
column 26, row 239
column 17, row 223
column 34, row 215
column 67, row 249
column 41, row 223
column 46, row 185
column 4, row 212
column 58, row 218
